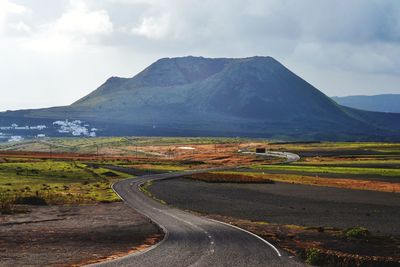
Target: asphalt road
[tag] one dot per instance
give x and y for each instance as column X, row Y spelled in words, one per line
column 290, row 157
column 191, row 240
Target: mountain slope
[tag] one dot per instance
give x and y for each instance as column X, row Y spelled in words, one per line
column 254, row 96
column 380, row 103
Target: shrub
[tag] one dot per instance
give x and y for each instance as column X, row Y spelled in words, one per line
column 314, row 257
column 110, row 174
column 6, row 204
column 356, row 233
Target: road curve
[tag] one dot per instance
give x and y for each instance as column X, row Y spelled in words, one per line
column 191, row 240
column 290, row 157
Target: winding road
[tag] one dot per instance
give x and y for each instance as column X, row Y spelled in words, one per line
column 191, row 240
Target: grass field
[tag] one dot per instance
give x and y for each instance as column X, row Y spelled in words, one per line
column 318, row 146
column 366, row 166
column 331, row 169
column 156, row 167
column 55, row 182
column 369, row 162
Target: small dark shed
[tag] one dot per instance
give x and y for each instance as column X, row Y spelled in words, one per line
column 260, row 150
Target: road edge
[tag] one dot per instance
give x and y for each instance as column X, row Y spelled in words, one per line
column 286, row 155
column 250, row 233
column 140, row 252
column 166, row 233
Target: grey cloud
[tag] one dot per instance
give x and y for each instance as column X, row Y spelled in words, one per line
column 332, row 44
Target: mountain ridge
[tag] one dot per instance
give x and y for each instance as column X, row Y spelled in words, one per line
column 379, row 103
column 253, row 96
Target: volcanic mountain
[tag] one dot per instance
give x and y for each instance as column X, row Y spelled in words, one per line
column 256, row 97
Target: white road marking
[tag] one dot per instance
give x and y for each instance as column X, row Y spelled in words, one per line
column 250, row 233
column 290, row 157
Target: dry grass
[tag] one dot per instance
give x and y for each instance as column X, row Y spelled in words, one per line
column 230, row 178
column 330, row 182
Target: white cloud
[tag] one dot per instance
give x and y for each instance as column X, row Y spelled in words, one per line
column 75, row 28
column 153, row 27
column 21, row 27
column 8, row 8
column 79, row 20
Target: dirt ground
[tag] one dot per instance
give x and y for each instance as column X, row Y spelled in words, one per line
column 334, row 249
column 285, row 203
column 217, row 154
column 73, row 235
column 194, row 156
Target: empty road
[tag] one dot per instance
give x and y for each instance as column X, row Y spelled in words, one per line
column 191, row 240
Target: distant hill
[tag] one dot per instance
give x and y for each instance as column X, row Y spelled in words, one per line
column 382, row 103
column 255, row 97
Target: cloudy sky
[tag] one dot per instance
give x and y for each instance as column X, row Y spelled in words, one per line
column 54, row 52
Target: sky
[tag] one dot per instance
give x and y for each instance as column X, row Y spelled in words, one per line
column 55, row 52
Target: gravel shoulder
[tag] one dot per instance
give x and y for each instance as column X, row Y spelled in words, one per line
column 73, row 235
column 285, row 203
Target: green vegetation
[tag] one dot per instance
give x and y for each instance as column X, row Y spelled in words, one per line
column 68, row 144
column 314, row 257
column 348, row 146
column 7, row 205
column 356, row 233
column 155, row 167
column 69, row 181
column 185, row 140
column 351, row 162
column 43, row 182
column 103, row 145
column 330, row 170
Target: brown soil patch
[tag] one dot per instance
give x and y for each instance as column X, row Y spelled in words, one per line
column 209, row 154
column 334, row 248
column 73, row 235
column 335, row 182
column 229, row 178
column 149, row 242
column 347, row 183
